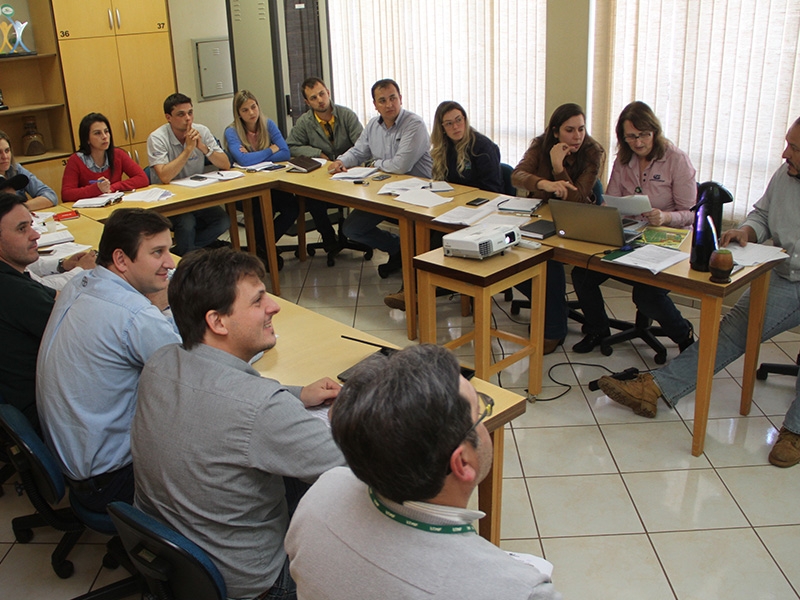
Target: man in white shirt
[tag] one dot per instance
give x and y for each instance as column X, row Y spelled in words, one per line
column 177, row 150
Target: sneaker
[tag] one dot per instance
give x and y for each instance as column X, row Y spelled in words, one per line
column 786, row 451
column 590, row 342
column 395, row 263
column 640, row 394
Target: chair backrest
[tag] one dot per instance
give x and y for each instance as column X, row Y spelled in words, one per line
column 508, row 187
column 29, row 454
column 597, row 190
column 173, row 566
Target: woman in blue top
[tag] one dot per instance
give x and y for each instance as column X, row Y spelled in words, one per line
column 251, row 139
column 39, row 195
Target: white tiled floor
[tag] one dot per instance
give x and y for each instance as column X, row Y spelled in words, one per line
column 616, row 502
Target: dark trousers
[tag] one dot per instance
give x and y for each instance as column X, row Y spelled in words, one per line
column 653, row 302
column 555, row 308
column 97, row 492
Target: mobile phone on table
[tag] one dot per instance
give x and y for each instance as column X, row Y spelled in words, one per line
column 477, row 201
column 197, row 178
column 381, row 177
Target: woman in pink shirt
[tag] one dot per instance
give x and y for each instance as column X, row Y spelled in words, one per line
column 97, row 167
column 647, row 163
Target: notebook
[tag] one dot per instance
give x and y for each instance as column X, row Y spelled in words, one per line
column 590, row 223
column 303, row 164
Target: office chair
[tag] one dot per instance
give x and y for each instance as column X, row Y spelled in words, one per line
column 778, row 369
column 45, row 486
column 173, row 567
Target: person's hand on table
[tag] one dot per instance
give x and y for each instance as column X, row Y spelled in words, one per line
column 740, row 236
column 337, row 166
column 560, row 189
column 84, row 260
column 323, row 391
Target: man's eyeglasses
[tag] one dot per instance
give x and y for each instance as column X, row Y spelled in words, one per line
column 456, row 121
column 488, row 406
column 644, row 136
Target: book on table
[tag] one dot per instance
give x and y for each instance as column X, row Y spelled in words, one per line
column 304, row 164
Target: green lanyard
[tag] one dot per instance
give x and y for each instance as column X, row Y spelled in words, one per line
column 418, row 524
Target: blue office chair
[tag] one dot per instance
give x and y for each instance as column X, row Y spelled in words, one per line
column 173, row 567
column 508, row 188
column 44, row 484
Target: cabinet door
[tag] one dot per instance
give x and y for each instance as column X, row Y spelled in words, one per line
column 93, row 82
column 142, row 16
column 147, row 79
column 83, row 18
column 50, row 172
column 138, row 152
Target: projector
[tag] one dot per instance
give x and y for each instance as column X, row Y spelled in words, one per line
column 480, row 241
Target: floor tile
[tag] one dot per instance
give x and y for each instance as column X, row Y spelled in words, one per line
column 738, row 442
column 570, row 409
column 768, row 495
column 611, row 567
column 582, row 505
column 729, row 563
column 680, row 500
column 516, row 515
column 782, row 543
column 652, row 446
column 563, row 451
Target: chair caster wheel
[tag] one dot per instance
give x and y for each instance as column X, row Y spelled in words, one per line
column 514, row 309
column 761, row 374
column 311, row 251
column 23, row 536
column 606, row 350
column 368, row 255
column 660, row 358
column 64, row 570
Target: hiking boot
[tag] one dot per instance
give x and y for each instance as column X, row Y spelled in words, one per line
column 397, row 300
column 589, row 342
column 640, row 394
column 786, row 451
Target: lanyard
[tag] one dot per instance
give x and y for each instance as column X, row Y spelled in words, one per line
column 466, row 528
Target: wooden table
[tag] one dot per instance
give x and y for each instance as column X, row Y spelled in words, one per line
column 302, row 355
column 482, row 279
column 683, row 279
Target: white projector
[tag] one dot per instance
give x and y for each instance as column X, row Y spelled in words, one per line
column 480, row 241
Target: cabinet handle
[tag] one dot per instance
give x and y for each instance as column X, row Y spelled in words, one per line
column 110, row 20
column 125, row 125
column 133, row 130
column 136, row 152
column 119, row 21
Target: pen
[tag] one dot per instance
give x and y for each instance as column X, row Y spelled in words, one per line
column 94, row 181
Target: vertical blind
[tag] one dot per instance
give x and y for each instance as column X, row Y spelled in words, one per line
column 723, row 76
column 488, row 55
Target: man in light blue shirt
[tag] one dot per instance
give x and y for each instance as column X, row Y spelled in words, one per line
column 101, row 332
column 397, row 141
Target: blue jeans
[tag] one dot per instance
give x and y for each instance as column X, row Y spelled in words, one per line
column 199, row 228
column 555, row 307
column 653, row 302
column 783, row 312
column 361, row 226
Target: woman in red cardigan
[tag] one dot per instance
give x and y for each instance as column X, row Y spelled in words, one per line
column 97, row 167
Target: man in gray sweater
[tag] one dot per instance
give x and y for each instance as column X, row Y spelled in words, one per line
column 397, row 525
column 212, row 440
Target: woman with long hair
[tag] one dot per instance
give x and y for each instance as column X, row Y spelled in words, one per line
column 38, row 194
column 97, row 167
column 647, row 163
column 460, row 153
column 561, row 163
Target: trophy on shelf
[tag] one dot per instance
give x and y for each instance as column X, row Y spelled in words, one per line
column 3, row 105
column 32, row 141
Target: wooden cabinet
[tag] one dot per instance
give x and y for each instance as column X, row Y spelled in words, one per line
column 78, row 19
column 119, row 72
column 32, row 87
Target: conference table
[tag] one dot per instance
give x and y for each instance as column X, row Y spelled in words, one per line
column 302, row 355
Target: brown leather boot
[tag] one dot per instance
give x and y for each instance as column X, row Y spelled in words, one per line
column 640, row 394
column 786, row 451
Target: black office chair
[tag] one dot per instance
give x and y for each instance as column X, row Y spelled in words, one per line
column 778, row 369
column 44, row 484
column 173, row 567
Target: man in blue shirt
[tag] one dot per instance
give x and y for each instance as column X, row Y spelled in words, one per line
column 101, row 332
column 397, row 141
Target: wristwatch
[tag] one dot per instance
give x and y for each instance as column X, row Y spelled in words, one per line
column 60, row 268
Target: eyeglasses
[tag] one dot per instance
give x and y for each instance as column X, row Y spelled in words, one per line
column 449, row 124
column 644, row 136
column 488, row 406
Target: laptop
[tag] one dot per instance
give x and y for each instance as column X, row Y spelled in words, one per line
column 590, row 223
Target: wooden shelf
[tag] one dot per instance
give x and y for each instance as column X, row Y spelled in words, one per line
column 50, row 155
column 13, row 58
column 28, row 108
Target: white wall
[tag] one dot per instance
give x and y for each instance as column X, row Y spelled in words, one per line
column 190, row 20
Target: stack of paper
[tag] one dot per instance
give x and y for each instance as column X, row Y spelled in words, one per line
column 393, row 188
column 56, row 237
column 153, row 194
column 653, row 258
column 755, row 254
column 464, row 215
column 517, row 204
column 355, row 173
column 101, row 200
column 223, row 175
column 422, row 198
column 440, row 186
